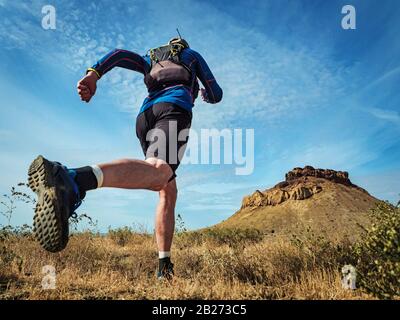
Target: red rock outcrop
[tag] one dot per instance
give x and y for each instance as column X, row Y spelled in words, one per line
column 300, row 184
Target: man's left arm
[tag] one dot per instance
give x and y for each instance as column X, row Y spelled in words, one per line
column 212, row 92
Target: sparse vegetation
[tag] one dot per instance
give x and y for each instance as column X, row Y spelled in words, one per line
column 100, row 267
column 123, row 236
column 9, row 202
column 212, row 263
column 233, row 238
column 378, row 253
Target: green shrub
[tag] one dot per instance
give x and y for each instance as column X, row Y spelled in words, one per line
column 233, row 237
column 378, row 253
column 319, row 251
column 121, row 236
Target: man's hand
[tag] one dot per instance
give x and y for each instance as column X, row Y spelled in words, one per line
column 87, row 86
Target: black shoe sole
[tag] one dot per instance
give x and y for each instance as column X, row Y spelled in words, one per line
column 48, row 225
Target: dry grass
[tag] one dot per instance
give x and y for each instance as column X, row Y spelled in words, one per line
column 206, row 267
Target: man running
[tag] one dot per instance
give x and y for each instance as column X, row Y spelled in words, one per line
column 170, row 74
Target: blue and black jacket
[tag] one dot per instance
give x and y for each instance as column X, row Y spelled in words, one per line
column 180, row 95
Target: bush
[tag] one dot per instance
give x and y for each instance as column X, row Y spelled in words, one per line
column 121, row 236
column 322, row 251
column 233, row 237
column 223, row 236
column 8, row 234
column 378, row 253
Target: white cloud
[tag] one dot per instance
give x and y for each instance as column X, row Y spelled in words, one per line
column 261, row 79
column 386, row 115
column 387, row 76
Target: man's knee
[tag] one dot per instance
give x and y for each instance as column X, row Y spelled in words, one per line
column 164, row 173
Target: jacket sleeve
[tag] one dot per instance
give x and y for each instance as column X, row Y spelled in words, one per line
column 120, row 58
column 203, row 72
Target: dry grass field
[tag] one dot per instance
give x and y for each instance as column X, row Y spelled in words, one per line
column 304, row 262
column 210, row 264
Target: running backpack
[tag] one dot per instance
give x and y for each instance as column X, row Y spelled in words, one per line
column 167, row 69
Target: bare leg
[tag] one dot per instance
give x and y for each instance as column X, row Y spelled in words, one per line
column 152, row 174
column 165, row 216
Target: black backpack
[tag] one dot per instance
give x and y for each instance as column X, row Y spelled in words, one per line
column 167, row 69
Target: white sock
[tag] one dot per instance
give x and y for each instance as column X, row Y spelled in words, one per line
column 164, row 254
column 99, row 175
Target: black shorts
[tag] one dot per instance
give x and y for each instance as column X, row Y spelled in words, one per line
column 163, row 132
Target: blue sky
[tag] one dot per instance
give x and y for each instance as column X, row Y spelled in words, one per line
column 314, row 93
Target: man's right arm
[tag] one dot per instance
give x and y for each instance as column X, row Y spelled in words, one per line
column 120, row 58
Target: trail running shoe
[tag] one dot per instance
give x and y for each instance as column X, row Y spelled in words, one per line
column 165, row 269
column 58, row 198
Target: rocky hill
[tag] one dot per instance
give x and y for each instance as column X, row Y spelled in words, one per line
column 323, row 199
